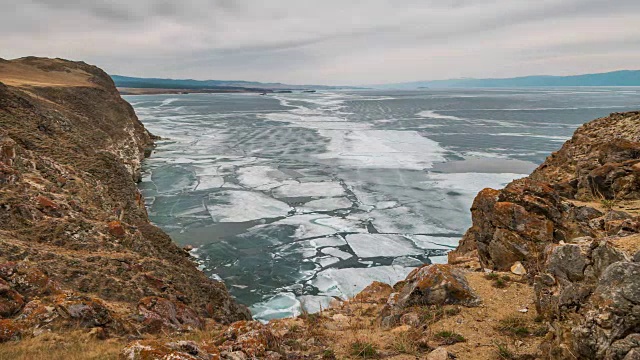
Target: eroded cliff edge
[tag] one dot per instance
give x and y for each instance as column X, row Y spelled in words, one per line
column 76, row 245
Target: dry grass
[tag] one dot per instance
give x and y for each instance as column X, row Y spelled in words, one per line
column 514, row 325
column 15, row 73
column 69, row 346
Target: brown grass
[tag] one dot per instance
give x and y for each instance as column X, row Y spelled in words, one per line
column 16, row 73
column 69, row 346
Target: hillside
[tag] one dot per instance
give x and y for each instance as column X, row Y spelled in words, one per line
column 76, row 246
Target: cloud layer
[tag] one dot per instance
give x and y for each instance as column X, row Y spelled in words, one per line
column 329, row 41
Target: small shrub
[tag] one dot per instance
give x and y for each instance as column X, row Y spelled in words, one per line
column 540, row 331
column 294, row 328
column 431, row 314
column 328, row 354
column 449, row 337
column 405, row 343
column 513, row 326
column 506, row 277
column 503, row 352
column 491, row 276
column 452, row 311
column 608, row 204
column 364, row 350
column 500, row 283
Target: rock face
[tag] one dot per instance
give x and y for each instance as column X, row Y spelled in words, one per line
column 560, row 225
column 70, row 212
column 429, row 285
column 601, row 162
column 601, row 159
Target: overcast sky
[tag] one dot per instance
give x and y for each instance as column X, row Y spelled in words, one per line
column 328, row 41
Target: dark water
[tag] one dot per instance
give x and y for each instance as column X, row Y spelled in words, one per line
column 296, row 198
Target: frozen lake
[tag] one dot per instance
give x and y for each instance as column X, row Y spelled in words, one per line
column 298, row 198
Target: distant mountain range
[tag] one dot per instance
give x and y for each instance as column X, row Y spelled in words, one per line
column 615, row 78
column 225, row 85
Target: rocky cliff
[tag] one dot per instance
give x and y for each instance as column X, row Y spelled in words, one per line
column 76, row 245
column 574, row 225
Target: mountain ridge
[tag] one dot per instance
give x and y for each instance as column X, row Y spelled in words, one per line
column 611, row 78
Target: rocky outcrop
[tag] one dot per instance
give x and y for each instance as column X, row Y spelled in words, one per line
column 601, row 160
column 573, row 227
column 70, row 211
column 591, row 292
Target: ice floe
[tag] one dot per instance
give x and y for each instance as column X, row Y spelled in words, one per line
column 375, row 245
column 309, row 189
column 328, row 204
column 337, row 253
column 311, row 226
column 241, row 206
column 346, row 283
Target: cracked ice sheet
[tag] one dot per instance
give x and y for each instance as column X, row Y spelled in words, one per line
column 329, row 204
column 337, row 253
column 375, row 245
column 310, row 226
column 262, row 178
column 241, row 206
column 311, row 189
column 387, row 149
column 325, row 261
column 206, row 182
column 346, row 283
column 401, row 220
column 309, row 248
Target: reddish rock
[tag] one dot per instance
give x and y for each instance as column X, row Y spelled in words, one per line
column 9, row 331
column 31, row 282
column 116, row 229
column 83, row 310
column 46, row 203
column 159, row 313
column 10, row 301
column 376, row 293
column 429, row 285
column 36, row 313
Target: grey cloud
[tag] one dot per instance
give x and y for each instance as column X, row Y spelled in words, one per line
column 332, row 41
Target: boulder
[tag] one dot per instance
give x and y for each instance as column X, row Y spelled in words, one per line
column 376, row 293
column 83, row 310
column 438, row 354
column 429, row 285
